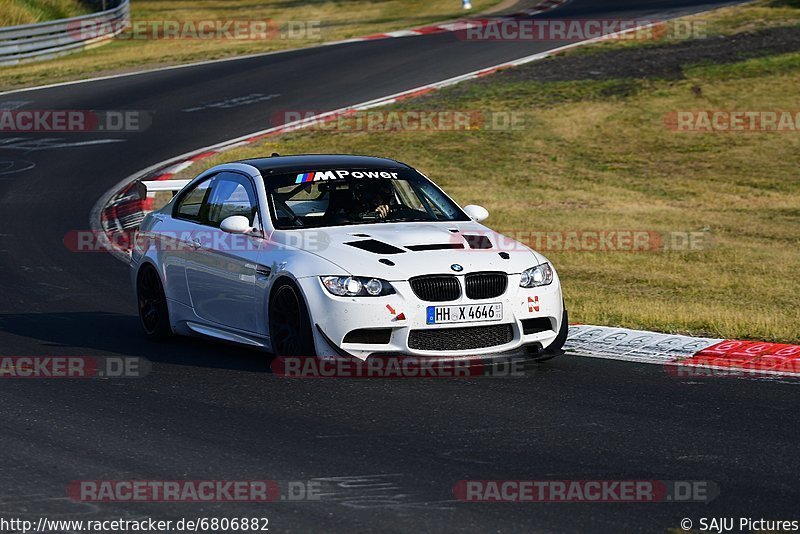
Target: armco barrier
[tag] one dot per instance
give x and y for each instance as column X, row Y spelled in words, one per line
column 47, row 40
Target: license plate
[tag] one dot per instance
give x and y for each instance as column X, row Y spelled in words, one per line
column 468, row 313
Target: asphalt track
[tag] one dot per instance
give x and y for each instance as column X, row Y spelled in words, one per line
column 389, row 451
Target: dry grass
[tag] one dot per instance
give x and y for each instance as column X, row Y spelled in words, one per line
column 594, row 161
column 16, row 12
column 753, row 16
column 338, row 19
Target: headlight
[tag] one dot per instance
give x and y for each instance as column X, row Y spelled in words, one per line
column 356, row 286
column 541, row 275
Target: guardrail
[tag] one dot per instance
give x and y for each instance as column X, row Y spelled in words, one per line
column 47, row 40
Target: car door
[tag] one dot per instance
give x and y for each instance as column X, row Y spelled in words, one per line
column 175, row 236
column 221, row 268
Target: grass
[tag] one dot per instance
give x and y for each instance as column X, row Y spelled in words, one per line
column 16, row 12
column 338, row 19
column 753, row 16
column 596, row 155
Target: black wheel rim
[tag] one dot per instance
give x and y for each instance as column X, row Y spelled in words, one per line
column 150, row 300
column 286, row 323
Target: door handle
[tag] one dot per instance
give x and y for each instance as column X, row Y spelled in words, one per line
column 196, row 243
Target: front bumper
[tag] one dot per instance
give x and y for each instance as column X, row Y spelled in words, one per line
column 531, row 318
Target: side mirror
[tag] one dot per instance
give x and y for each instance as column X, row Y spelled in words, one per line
column 476, row 213
column 235, row 224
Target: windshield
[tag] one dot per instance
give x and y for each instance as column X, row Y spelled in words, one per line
column 344, row 197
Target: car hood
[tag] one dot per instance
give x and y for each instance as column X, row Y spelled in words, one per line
column 399, row 251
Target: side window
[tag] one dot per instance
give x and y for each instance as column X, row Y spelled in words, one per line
column 189, row 207
column 231, row 194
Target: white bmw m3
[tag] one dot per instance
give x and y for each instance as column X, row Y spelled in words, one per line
column 347, row 256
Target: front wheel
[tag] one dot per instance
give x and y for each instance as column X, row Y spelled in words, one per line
column 289, row 326
column 153, row 311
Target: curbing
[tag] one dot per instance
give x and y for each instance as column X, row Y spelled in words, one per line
column 686, row 356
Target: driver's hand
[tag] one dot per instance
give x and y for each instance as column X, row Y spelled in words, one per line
column 383, row 211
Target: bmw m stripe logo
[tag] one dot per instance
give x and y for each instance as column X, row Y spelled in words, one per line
column 304, row 177
column 457, row 268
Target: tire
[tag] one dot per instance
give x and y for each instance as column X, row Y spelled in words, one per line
column 555, row 348
column 152, row 304
column 289, row 325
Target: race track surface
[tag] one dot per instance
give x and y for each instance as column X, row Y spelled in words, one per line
column 389, row 451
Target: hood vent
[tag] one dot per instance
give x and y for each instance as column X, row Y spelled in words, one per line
column 435, row 246
column 478, row 241
column 375, row 246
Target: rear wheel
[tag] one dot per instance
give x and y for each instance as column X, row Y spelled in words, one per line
column 289, row 324
column 153, row 311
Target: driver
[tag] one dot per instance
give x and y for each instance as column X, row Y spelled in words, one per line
column 374, row 196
